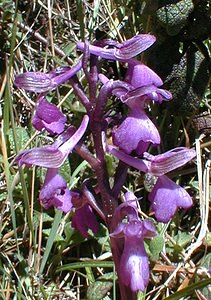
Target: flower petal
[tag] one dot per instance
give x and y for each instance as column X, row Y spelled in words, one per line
column 68, row 146
column 139, row 164
column 134, row 46
column 168, row 161
column 48, row 116
column 166, row 197
column 122, row 51
column 46, row 156
column 136, row 131
column 139, row 75
column 39, row 82
column 51, row 156
column 134, row 261
column 55, row 192
column 134, row 267
column 84, row 219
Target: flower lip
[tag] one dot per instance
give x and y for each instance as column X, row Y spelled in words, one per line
column 55, row 192
column 134, row 268
column 166, row 197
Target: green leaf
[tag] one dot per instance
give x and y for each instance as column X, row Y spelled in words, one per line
column 183, row 238
column 74, row 179
column 209, row 239
column 51, row 239
column 156, row 246
column 175, row 16
column 57, row 237
column 98, row 290
column 84, row 264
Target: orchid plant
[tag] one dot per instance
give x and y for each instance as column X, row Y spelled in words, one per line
column 133, row 135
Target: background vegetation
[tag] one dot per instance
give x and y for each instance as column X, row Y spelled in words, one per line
column 41, row 256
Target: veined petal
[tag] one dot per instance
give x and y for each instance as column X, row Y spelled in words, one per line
column 122, row 51
column 107, row 53
column 166, row 197
column 39, row 82
column 168, row 161
column 160, row 95
column 64, row 136
column 51, row 156
column 136, row 93
column 46, row 156
column 150, row 92
column 134, row 46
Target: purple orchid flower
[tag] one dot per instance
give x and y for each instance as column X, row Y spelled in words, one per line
column 85, row 219
column 48, row 116
column 55, row 192
column 39, row 82
column 136, row 132
column 121, row 51
column 129, row 234
column 166, row 196
column 53, row 156
column 143, row 85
